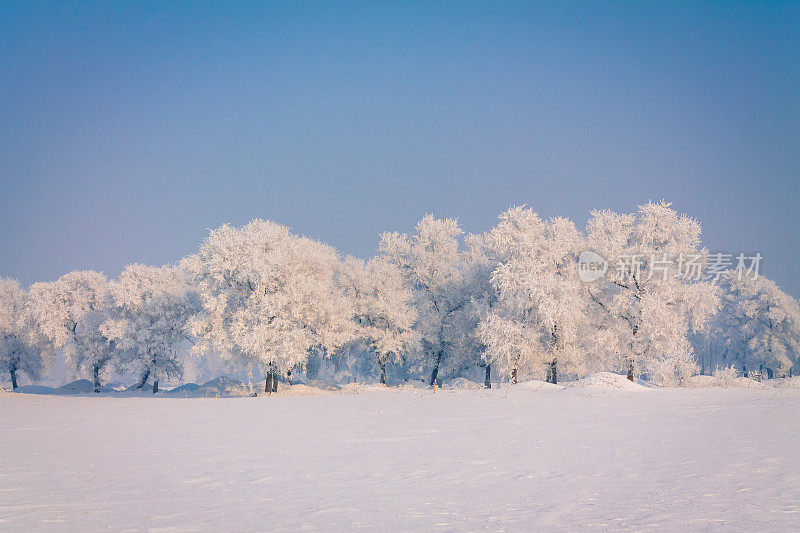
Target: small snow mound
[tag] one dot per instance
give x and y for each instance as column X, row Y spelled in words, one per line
column 606, row 381
column 461, row 384
column 117, row 386
column 35, row 389
column 222, row 386
column 747, row 383
column 322, row 385
column 376, row 387
column 708, row 382
column 534, row 384
column 297, row 388
column 356, row 388
column 787, row 383
column 306, row 389
column 701, row 382
column 184, row 389
column 81, row 386
column 135, row 388
column 412, row 384
column 351, row 388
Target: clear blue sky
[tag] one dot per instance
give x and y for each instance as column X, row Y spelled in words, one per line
column 128, row 129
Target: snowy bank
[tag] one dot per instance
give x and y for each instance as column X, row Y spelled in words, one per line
column 606, row 381
column 407, row 459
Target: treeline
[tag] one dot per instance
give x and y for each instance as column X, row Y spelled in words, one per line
column 531, row 298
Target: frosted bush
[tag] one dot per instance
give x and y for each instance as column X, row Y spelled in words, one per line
column 673, row 370
column 790, row 383
column 724, row 377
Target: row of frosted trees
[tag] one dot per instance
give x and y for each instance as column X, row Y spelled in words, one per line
column 431, row 304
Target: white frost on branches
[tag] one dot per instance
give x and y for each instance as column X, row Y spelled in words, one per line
column 757, row 326
column 383, row 309
column 68, row 314
column 433, row 302
column 268, row 297
column 431, row 263
column 540, row 317
column 150, row 307
column 646, row 306
column 18, row 353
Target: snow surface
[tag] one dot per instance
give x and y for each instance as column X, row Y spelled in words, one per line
column 607, row 381
column 81, row 386
column 519, row 458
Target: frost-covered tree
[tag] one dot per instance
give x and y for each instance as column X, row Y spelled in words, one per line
column 17, row 351
column 68, row 314
column 431, row 263
column 652, row 295
column 383, row 309
column 757, row 326
column 479, row 263
column 541, row 310
column 150, row 307
column 268, row 297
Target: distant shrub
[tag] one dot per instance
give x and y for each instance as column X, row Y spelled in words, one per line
column 674, row 370
column 790, row 383
column 725, row 377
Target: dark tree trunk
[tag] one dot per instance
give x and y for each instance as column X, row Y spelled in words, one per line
column 13, row 370
column 382, row 365
column 272, row 379
column 143, row 379
column 514, row 370
column 96, row 375
column 630, row 370
column 552, row 372
column 435, row 371
column 487, row 381
column 153, row 367
column 289, row 376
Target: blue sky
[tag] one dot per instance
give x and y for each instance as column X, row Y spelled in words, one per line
column 129, row 129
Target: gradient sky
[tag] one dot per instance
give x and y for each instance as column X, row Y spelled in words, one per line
column 129, row 129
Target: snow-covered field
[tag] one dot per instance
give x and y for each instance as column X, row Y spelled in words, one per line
column 534, row 456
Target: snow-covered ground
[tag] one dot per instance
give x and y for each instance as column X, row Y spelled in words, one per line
column 534, row 456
